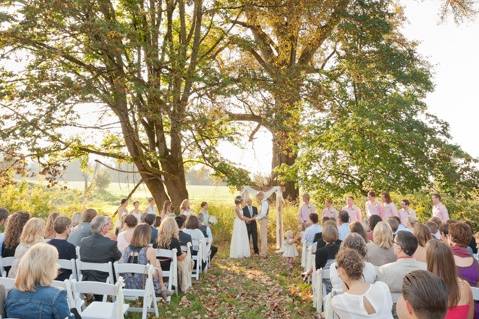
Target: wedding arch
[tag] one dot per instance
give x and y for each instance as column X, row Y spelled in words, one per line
column 250, row 192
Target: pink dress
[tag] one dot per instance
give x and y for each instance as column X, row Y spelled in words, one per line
column 354, row 213
column 389, row 210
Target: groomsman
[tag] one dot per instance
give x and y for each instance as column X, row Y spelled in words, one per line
column 262, row 219
column 251, row 211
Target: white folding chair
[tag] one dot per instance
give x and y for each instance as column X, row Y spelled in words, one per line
column 103, row 267
column 6, row 262
column 68, row 265
column 198, row 258
column 172, row 273
column 7, row 283
column 475, row 293
column 96, row 309
column 147, row 293
column 317, row 285
column 304, row 252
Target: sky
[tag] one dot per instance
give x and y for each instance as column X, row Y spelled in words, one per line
column 453, row 51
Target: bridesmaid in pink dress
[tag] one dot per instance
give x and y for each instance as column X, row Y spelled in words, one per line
column 388, row 209
column 440, row 262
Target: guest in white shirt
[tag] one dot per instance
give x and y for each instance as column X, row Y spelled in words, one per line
column 343, row 224
column 356, row 242
column 353, row 210
column 405, row 245
column 372, row 206
column 125, row 236
column 305, row 210
column 423, row 296
column 360, row 299
column 192, row 228
column 313, row 229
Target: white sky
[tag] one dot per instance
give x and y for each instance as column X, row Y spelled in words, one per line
column 452, row 49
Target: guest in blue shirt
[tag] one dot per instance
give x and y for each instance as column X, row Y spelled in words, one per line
column 33, row 296
column 313, row 229
column 343, row 224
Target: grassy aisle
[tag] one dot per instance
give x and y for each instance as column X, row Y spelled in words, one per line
column 250, row 288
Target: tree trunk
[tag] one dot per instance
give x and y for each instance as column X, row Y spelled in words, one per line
column 284, row 156
column 156, row 188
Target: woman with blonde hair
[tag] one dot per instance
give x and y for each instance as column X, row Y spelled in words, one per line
column 168, row 238
column 185, row 208
column 380, row 250
column 33, row 297
column 32, row 233
column 49, row 231
column 423, row 235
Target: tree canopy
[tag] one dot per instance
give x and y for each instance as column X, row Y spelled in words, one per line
column 335, row 82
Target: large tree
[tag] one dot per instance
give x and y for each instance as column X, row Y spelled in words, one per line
column 287, row 48
column 146, row 66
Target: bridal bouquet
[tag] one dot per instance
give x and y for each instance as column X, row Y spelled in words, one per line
column 212, row 220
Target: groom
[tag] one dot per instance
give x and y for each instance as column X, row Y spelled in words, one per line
column 251, row 211
column 262, row 219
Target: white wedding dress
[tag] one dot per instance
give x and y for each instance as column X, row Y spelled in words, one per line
column 239, row 247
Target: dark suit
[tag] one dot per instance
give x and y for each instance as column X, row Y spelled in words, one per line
column 98, row 249
column 251, row 226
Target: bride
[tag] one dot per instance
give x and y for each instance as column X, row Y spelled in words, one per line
column 239, row 239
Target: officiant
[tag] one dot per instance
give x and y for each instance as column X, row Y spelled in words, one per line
column 251, row 211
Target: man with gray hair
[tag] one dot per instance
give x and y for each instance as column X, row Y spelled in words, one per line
column 97, row 248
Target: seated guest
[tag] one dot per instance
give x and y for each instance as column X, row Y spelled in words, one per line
column 356, row 242
column 83, row 229
column 62, row 227
column 394, row 224
column 13, row 230
column 343, row 224
column 150, row 220
column 33, row 296
column 139, row 252
column 168, row 238
column 3, row 220
column 423, row 296
column 401, row 226
column 434, row 224
column 372, row 222
column 358, row 228
column 97, row 248
column 472, row 244
column 32, row 234
column 440, row 262
column 423, row 235
column 444, row 231
column 405, row 245
column 192, row 228
column 380, row 250
column 126, row 234
column 49, row 232
column 184, row 237
column 360, row 299
column 467, row 266
column 313, row 229
column 325, row 255
column 318, row 238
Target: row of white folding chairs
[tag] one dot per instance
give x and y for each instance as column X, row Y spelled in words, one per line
column 95, row 310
